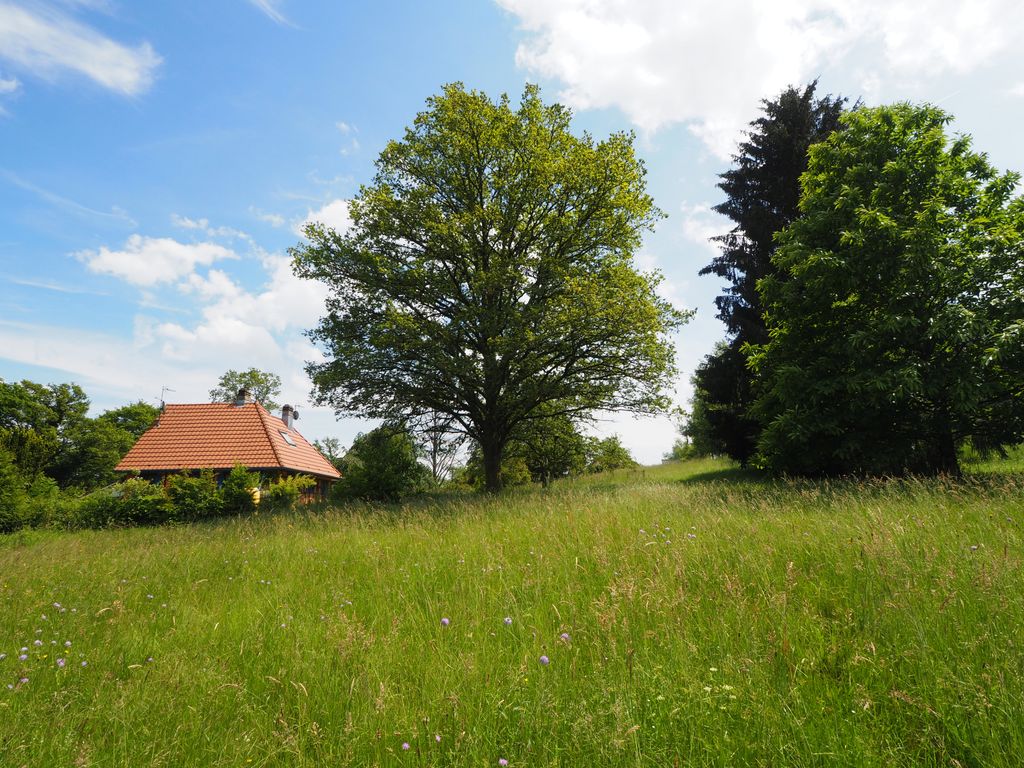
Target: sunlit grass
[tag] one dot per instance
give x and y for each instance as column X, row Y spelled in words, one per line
column 712, row 618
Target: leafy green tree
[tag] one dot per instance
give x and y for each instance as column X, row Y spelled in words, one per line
column 895, row 317
column 381, row 465
column 762, row 193
column 91, row 450
column 263, row 386
column 551, row 447
column 12, row 494
column 488, row 273
column 37, row 422
column 608, row 454
column 330, row 448
column 134, row 418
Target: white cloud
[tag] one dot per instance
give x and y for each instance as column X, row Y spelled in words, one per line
column 9, row 84
column 46, row 42
column 701, row 223
column 1017, row 90
column 344, row 127
column 707, row 63
column 333, row 215
column 147, row 261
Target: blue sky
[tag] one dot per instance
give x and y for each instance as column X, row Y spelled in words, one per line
column 158, row 159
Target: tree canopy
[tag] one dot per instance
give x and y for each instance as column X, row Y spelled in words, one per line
column 263, row 386
column 488, row 275
column 897, row 307
column 762, row 193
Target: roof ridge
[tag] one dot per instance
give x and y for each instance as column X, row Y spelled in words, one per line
column 263, row 412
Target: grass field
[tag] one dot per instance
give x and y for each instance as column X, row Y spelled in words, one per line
column 691, row 615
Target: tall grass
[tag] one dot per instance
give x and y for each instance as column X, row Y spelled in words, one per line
column 691, row 615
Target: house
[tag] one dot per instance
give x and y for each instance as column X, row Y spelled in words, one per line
column 218, row 436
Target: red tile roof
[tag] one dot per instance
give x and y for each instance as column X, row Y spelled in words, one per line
column 220, row 435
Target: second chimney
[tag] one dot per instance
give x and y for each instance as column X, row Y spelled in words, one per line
column 242, row 397
column 287, row 416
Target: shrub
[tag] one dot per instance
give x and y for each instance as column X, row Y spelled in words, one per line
column 381, row 465
column 283, row 494
column 133, row 502
column 194, row 497
column 238, row 491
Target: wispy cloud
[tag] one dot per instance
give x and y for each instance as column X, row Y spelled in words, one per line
column 115, row 213
column 49, row 285
column 270, row 8
column 46, row 42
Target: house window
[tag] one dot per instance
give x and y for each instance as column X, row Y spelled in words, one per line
column 287, row 437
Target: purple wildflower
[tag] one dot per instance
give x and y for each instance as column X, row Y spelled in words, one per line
column 22, row 657
column 405, row 745
column 67, row 643
column 545, row 660
column 61, row 663
column 502, row 761
column 37, row 643
column 508, row 621
column 437, row 737
column 23, row 680
column 565, row 637
column 85, row 663
column 445, row 621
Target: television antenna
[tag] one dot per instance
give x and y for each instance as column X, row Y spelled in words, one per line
column 164, row 390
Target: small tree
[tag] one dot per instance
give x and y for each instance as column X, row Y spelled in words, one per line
column 381, row 465
column 263, row 386
column 134, row 418
column 609, row 454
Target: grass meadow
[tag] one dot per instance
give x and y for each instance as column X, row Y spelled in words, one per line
column 690, row 615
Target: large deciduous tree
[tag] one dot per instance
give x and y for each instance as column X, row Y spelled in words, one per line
column 762, row 193
column 263, row 386
column 895, row 321
column 488, row 276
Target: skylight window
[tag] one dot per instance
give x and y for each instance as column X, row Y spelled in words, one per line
column 287, row 437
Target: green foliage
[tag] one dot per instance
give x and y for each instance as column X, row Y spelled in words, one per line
column 550, row 447
column 133, row 502
column 237, row 492
column 608, row 454
column 488, row 273
column 514, row 470
column 896, row 310
column 92, row 449
column 262, row 386
column 720, row 422
column 134, row 418
column 12, row 494
column 762, row 193
column 331, row 449
column 381, row 465
column 194, row 496
column 284, row 493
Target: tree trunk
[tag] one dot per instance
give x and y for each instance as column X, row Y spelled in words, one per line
column 948, row 461
column 492, row 451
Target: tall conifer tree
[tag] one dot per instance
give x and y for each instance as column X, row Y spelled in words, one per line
column 762, row 195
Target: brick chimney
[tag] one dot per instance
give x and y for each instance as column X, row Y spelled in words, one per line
column 288, row 415
column 242, row 397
